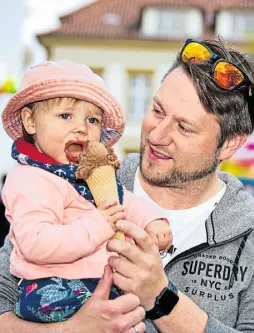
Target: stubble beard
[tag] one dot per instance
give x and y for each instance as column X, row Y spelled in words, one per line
column 177, row 178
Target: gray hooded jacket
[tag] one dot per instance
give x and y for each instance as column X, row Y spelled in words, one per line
column 217, row 275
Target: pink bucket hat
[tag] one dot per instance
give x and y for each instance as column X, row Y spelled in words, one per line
column 64, row 79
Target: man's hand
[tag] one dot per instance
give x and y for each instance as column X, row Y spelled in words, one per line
column 138, row 269
column 112, row 212
column 100, row 315
column 161, row 234
column 97, row 315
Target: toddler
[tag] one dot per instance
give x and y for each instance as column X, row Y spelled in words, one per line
column 59, row 235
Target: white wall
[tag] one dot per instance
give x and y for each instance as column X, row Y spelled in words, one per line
column 11, row 54
column 6, row 161
column 11, row 63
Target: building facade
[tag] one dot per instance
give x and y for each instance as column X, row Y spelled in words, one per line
column 132, row 43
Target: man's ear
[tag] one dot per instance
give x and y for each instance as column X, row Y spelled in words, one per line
column 28, row 120
column 231, row 145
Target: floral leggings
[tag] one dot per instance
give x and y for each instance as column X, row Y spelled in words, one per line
column 54, row 299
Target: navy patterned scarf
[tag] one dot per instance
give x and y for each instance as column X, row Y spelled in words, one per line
column 25, row 153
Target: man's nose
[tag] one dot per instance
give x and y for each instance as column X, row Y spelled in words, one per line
column 161, row 134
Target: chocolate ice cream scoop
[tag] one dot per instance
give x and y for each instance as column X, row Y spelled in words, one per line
column 95, row 155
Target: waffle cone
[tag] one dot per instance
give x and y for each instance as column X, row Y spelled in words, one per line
column 103, row 186
column 119, row 235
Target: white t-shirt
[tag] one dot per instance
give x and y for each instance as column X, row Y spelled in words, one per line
column 188, row 225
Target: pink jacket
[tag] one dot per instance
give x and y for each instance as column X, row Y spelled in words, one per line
column 55, row 231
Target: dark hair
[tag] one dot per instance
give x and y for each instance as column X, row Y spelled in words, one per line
column 233, row 109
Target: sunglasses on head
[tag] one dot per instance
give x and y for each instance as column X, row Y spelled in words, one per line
column 226, row 75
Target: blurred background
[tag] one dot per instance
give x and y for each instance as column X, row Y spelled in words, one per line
column 130, row 43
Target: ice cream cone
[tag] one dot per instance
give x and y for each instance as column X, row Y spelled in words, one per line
column 100, row 179
column 103, row 186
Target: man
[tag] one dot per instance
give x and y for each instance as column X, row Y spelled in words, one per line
column 200, row 116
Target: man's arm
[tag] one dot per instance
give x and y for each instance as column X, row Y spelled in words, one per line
column 10, row 323
column 185, row 317
column 139, row 270
column 188, row 317
column 8, row 283
column 98, row 315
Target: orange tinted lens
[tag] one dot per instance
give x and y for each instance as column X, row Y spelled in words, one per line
column 195, row 53
column 227, row 75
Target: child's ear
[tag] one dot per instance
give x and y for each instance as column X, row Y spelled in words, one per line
column 28, row 120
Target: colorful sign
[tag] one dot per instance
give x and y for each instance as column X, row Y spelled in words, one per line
column 241, row 164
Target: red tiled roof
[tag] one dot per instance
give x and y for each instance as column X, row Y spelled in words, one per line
column 87, row 22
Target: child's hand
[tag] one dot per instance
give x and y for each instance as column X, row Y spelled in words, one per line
column 161, row 234
column 112, row 212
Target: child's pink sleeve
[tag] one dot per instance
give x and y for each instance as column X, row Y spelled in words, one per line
column 35, row 208
column 139, row 211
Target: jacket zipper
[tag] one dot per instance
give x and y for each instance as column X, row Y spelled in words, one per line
column 198, row 249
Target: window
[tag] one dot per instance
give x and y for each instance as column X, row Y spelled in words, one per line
column 243, row 23
column 171, row 22
column 168, row 22
column 139, row 94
